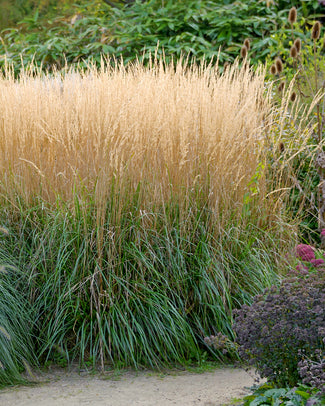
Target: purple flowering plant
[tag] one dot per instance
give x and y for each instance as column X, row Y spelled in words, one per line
column 282, row 332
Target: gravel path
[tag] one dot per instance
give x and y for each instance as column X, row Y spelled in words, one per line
column 64, row 388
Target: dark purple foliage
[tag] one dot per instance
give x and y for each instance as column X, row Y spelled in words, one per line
column 312, row 371
column 282, row 327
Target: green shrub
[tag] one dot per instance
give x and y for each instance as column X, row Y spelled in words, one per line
column 201, row 29
column 13, row 11
column 267, row 394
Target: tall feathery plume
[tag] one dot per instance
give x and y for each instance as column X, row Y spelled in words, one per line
column 292, row 15
column 4, row 230
column 315, row 32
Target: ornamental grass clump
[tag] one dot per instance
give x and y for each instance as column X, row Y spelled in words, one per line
column 283, row 327
column 121, row 187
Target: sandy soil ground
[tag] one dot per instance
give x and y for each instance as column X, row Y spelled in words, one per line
column 64, row 388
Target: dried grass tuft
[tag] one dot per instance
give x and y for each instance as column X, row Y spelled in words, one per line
column 173, row 128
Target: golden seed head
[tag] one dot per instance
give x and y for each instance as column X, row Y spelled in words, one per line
column 293, row 96
column 315, row 32
column 5, row 333
column 273, row 70
column 297, row 44
column 281, row 86
column 293, row 52
column 4, row 230
column 278, row 65
column 3, row 269
column 243, row 51
column 247, row 44
column 292, row 15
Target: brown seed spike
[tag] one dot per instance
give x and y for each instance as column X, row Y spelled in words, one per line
column 281, row 147
column 243, row 51
column 293, row 52
column 247, row 44
column 292, row 15
column 297, row 44
column 273, row 70
column 278, row 65
column 246, row 65
column 315, row 32
column 293, row 96
column 281, row 87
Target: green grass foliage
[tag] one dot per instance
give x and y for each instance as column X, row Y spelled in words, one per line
column 16, row 321
column 148, row 298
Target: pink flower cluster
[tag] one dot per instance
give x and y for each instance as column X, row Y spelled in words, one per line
column 306, row 253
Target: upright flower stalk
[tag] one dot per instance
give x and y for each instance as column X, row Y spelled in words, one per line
column 314, row 89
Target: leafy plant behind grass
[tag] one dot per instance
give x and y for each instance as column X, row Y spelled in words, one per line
column 203, row 29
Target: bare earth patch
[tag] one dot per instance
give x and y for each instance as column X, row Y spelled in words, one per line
column 64, row 388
